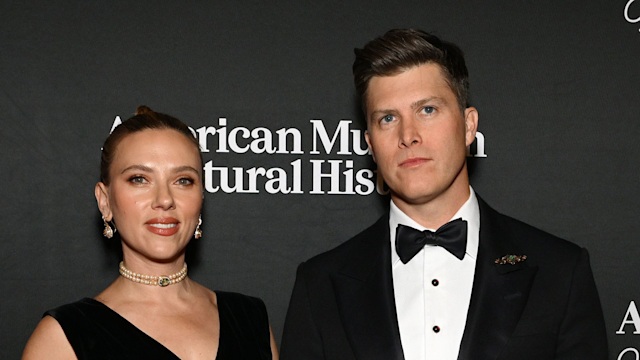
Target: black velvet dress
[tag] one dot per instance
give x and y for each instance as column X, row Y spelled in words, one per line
column 96, row 332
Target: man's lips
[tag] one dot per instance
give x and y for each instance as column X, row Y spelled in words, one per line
column 415, row 161
column 163, row 226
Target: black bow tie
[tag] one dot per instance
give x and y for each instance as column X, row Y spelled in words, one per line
column 452, row 236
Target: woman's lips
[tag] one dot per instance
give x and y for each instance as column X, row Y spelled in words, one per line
column 163, row 227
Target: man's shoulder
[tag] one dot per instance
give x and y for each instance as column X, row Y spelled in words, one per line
column 370, row 239
column 526, row 236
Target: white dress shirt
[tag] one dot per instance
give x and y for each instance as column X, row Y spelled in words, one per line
column 433, row 290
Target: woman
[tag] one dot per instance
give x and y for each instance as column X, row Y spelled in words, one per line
column 151, row 193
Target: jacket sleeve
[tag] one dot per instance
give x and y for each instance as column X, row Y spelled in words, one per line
column 582, row 332
column 301, row 339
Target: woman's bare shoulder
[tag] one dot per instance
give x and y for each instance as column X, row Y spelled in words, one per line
column 48, row 341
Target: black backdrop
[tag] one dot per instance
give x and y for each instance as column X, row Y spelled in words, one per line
column 556, row 84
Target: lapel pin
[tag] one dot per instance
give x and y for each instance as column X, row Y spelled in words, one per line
column 511, row 259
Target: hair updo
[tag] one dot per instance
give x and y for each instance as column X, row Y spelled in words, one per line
column 144, row 119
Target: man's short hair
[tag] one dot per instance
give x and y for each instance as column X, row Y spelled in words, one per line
column 401, row 49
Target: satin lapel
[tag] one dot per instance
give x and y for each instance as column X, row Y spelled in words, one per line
column 364, row 294
column 499, row 294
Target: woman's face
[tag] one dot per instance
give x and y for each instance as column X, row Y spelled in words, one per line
column 155, row 193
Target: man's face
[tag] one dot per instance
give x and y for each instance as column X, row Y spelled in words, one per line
column 418, row 135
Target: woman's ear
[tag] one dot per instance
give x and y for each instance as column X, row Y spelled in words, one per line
column 102, row 198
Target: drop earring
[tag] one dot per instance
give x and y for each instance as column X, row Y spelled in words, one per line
column 198, row 233
column 108, row 231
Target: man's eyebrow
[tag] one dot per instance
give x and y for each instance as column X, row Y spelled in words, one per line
column 383, row 111
column 432, row 99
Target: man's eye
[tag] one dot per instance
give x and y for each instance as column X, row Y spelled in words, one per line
column 387, row 118
column 429, row 109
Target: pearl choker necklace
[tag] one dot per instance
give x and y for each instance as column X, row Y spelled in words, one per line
column 162, row 280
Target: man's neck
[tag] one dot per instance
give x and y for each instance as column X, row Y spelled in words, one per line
column 435, row 212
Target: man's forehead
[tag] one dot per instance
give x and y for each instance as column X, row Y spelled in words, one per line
column 408, row 87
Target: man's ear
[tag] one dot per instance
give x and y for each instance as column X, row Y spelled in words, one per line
column 368, row 140
column 101, row 192
column 470, row 124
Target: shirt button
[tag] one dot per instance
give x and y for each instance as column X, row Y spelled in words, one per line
column 436, row 329
column 435, row 282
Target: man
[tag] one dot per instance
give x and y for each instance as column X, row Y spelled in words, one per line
column 442, row 275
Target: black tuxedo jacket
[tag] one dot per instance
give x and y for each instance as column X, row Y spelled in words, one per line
column 547, row 307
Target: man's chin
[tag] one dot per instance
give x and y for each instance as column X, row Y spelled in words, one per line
column 414, row 197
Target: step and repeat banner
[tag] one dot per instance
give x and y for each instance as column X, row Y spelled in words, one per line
column 267, row 89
